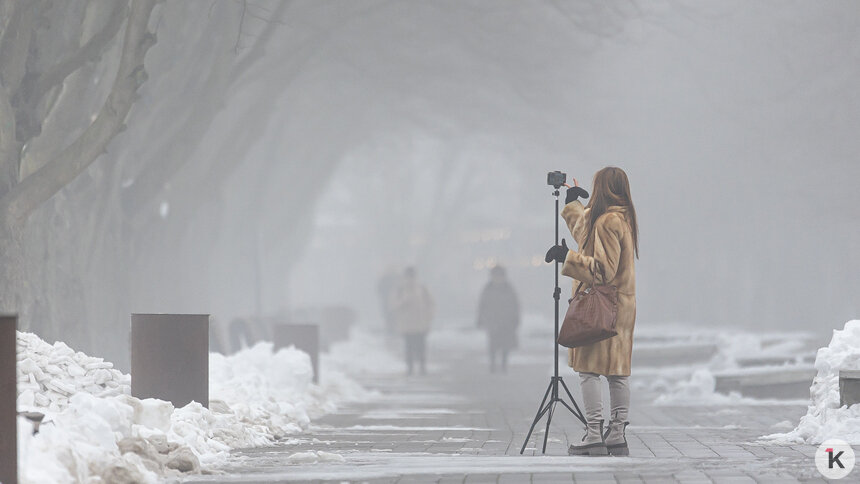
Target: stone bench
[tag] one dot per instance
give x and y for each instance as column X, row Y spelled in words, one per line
column 849, row 387
column 780, row 383
column 656, row 355
column 754, row 361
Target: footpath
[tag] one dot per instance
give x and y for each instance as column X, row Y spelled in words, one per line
column 461, row 424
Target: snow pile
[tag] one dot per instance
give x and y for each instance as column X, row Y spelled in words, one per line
column 254, row 386
column 94, row 431
column 362, row 354
column 314, row 457
column 696, row 388
column 49, row 374
column 825, row 419
column 694, row 383
column 103, row 440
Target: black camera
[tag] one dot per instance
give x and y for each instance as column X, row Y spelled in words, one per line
column 556, row 179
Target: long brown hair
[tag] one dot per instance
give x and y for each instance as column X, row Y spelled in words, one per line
column 611, row 188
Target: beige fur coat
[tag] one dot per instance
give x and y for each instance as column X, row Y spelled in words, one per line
column 611, row 246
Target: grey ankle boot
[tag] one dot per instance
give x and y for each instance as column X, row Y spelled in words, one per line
column 616, row 441
column 592, row 442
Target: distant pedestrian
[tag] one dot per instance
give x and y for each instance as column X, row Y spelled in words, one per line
column 608, row 244
column 412, row 309
column 499, row 315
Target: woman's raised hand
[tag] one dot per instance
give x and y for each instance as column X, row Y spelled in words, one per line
column 574, row 192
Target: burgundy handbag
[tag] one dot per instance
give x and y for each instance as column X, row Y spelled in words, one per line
column 591, row 316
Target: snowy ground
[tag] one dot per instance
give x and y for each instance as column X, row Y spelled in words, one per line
column 462, row 424
column 460, row 421
column 825, row 418
column 94, row 431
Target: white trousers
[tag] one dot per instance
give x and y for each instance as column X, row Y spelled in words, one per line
column 592, row 396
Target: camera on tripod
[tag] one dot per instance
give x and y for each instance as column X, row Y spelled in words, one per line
column 556, row 179
column 553, row 396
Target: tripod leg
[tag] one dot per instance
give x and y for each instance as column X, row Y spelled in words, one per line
column 541, row 410
column 539, row 416
column 578, row 413
column 548, row 420
column 569, row 408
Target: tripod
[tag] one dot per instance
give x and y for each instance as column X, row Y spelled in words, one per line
column 552, row 395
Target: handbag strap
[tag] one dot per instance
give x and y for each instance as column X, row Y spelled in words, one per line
column 602, row 274
column 587, row 238
column 602, row 270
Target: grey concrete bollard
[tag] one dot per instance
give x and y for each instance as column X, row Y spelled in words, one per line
column 170, row 357
column 8, row 401
column 849, row 387
column 305, row 337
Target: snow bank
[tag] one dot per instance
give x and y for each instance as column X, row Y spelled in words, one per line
column 49, row 374
column 97, row 438
column 314, row 457
column 824, row 418
column 362, row 354
column 274, row 390
column 94, row 431
column 695, row 383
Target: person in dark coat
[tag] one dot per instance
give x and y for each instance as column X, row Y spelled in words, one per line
column 499, row 315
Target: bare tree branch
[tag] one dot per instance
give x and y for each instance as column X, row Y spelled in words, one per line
column 177, row 152
column 91, row 51
column 260, row 46
column 264, row 19
column 37, row 188
column 241, row 25
column 15, row 44
column 265, row 9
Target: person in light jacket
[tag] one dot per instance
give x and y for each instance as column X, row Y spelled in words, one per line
column 499, row 315
column 412, row 308
column 608, row 240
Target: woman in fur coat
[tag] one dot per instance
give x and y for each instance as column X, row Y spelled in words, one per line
column 606, row 234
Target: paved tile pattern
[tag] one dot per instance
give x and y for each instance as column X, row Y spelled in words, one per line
column 461, row 424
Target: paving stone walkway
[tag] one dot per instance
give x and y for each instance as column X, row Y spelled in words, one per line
column 461, row 424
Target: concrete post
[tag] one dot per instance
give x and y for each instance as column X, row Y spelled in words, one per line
column 8, row 399
column 849, row 387
column 170, row 357
column 305, row 337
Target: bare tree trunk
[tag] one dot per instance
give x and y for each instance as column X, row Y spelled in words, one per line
column 37, row 188
column 10, row 148
column 11, row 273
column 179, row 148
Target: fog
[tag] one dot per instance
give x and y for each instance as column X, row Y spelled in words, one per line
column 733, row 122
column 284, row 155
